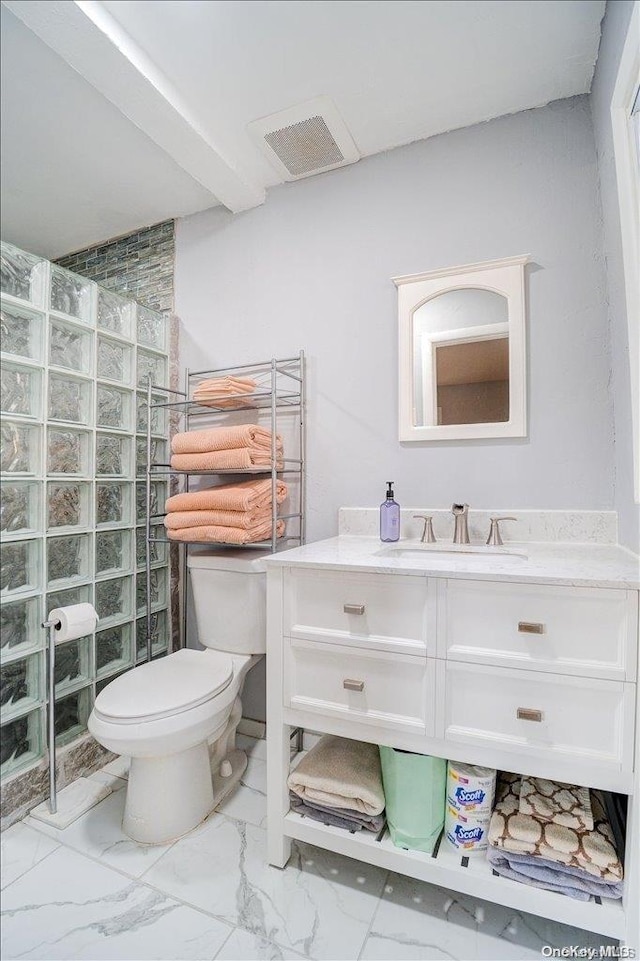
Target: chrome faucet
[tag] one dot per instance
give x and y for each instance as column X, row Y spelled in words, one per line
column 461, row 530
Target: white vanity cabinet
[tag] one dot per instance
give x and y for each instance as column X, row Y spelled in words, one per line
column 535, row 678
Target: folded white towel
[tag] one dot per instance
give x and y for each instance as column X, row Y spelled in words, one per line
column 339, row 773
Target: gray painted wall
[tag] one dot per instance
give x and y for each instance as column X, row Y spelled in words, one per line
column 312, row 268
column 614, row 32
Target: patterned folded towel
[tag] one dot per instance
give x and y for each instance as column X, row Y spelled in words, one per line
column 226, row 535
column 515, row 833
column 245, row 496
column 339, row 773
column 339, row 818
column 552, row 876
column 251, row 436
column 566, row 804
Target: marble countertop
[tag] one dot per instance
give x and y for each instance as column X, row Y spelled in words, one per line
column 569, row 564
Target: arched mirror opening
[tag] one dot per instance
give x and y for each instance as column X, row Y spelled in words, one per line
column 462, row 352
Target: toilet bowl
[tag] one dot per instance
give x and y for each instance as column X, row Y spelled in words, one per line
column 176, row 717
column 162, row 715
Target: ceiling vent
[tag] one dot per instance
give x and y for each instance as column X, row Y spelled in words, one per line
column 305, row 140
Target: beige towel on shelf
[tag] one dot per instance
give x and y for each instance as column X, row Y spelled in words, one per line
column 224, row 392
column 241, row 459
column 592, row 851
column 566, row 804
column 256, row 439
column 340, row 773
column 244, row 519
column 226, row 535
column 245, row 496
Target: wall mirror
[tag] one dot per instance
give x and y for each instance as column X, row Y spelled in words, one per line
column 462, row 352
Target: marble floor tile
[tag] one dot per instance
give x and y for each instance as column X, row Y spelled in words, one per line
column 527, row 934
column 99, row 834
column 20, row 848
column 248, row 800
column 416, row 921
column 244, row 946
column 119, row 767
column 254, row 747
column 69, row 907
column 321, row 905
column 114, row 781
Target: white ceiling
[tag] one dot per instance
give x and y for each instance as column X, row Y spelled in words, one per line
column 132, row 111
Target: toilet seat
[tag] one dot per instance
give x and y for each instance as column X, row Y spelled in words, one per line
column 162, row 688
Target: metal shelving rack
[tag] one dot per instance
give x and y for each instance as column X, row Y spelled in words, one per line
column 280, row 390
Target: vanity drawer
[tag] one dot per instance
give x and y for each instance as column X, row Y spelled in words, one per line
column 544, row 715
column 379, row 611
column 591, row 632
column 373, row 687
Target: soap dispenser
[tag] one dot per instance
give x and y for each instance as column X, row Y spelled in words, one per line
column 389, row 517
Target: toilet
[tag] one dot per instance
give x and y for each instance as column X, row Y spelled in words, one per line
column 176, row 717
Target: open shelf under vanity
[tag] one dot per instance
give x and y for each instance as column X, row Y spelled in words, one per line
column 471, row 874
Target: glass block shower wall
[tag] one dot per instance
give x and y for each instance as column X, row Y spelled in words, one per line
column 75, row 363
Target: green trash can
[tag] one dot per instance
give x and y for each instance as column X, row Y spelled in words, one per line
column 414, row 790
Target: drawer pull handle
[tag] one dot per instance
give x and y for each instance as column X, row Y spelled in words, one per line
column 527, row 627
column 529, row 714
column 353, row 608
column 350, row 685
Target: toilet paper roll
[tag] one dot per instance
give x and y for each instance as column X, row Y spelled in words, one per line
column 76, row 620
column 467, row 834
column 470, row 788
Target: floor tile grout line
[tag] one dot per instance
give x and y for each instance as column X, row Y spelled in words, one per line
column 97, row 859
column 217, row 954
column 31, row 867
column 373, row 916
column 135, row 880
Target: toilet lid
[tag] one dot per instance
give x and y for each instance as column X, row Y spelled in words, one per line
column 167, row 686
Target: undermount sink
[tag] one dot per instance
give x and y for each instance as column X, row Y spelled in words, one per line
column 416, row 549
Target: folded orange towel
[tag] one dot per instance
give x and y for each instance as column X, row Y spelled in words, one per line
column 244, row 519
column 226, row 535
column 224, row 391
column 245, row 496
column 250, row 436
column 225, row 385
column 241, row 459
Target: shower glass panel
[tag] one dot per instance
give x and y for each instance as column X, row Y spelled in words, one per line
column 69, row 459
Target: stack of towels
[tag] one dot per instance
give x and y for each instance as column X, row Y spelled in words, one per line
column 339, row 782
column 242, row 447
column 224, row 392
column 554, row 836
column 228, row 514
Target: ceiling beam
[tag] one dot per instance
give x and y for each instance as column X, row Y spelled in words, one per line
column 95, row 46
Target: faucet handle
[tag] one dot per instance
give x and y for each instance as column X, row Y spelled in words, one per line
column 428, row 537
column 495, row 537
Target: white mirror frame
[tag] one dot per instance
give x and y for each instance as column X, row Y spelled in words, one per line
column 505, row 277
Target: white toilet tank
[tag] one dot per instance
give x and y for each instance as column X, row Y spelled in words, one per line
column 229, row 597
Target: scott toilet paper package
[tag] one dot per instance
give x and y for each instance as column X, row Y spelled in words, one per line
column 469, row 787
column 468, row 835
column 470, row 793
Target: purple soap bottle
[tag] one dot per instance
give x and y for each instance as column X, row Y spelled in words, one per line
column 389, row 517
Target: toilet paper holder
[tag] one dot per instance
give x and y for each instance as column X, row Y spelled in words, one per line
column 73, row 621
column 52, row 626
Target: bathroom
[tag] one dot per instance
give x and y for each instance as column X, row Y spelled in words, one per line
column 171, row 199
